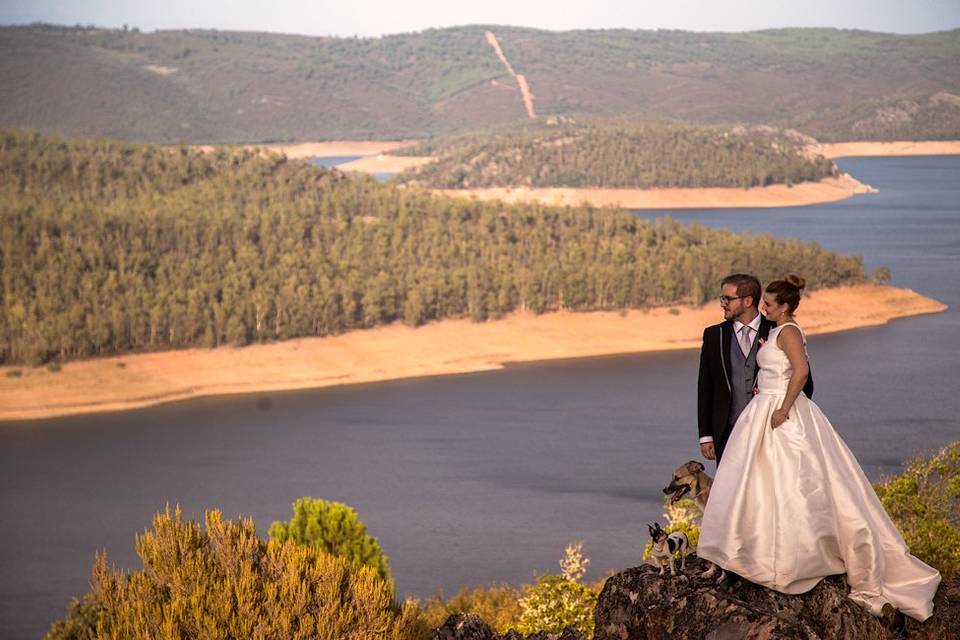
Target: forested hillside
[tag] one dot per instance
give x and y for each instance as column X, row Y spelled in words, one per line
column 624, row 155
column 218, row 86
column 108, row 247
column 935, row 117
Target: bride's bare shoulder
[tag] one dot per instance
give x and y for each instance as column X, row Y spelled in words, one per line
column 790, row 334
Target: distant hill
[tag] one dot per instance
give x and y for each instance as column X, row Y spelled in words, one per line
column 212, row 86
column 623, row 155
column 936, row 117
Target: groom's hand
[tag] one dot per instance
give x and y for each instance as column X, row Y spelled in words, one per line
column 706, row 448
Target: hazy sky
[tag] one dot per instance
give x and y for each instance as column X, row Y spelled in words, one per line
column 377, row 17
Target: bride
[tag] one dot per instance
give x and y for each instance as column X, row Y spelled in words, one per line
column 790, row 504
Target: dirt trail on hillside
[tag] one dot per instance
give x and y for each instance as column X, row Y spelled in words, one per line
column 521, row 80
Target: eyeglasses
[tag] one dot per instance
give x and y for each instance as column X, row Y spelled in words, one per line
column 725, row 300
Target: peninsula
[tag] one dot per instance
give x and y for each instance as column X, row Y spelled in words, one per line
column 397, row 351
column 777, row 195
column 378, row 157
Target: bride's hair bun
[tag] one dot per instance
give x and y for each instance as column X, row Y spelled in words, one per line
column 796, row 281
column 788, row 290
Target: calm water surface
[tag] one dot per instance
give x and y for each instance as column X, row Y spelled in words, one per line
column 485, row 477
column 333, row 161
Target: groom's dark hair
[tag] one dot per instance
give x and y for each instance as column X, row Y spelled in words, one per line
column 747, row 285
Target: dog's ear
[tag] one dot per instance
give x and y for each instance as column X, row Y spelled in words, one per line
column 698, row 466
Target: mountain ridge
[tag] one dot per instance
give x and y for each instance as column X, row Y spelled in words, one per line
column 230, row 87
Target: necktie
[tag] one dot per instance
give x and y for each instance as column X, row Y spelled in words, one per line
column 745, row 343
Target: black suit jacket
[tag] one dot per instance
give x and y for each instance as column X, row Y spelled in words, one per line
column 713, row 385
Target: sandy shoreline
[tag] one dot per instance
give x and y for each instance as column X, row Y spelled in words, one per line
column 878, row 149
column 828, row 190
column 338, row 148
column 397, row 351
column 329, row 149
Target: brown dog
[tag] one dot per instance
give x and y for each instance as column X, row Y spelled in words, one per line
column 690, row 478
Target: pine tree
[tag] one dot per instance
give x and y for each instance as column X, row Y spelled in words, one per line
column 335, row 528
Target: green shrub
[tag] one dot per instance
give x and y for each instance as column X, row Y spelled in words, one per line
column 335, row 528
column 15, row 373
column 924, row 502
column 556, row 602
column 224, row 582
column 54, row 367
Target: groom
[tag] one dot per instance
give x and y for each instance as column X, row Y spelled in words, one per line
column 728, row 363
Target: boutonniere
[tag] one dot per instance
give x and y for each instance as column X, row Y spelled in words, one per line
column 756, row 390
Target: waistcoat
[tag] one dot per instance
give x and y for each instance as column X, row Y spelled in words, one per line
column 742, row 374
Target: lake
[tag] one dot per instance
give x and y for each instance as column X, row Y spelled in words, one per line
column 331, row 161
column 486, row 477
column 336, row 161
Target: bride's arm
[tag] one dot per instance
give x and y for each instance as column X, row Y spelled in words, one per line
column 791, row 342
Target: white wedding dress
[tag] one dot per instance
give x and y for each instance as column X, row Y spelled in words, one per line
column 790, row 506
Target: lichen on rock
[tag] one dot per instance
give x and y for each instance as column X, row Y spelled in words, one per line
column 638, row 604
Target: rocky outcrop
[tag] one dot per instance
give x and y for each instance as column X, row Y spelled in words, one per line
column 463, row 627
column 638, row 604
column 471, row 627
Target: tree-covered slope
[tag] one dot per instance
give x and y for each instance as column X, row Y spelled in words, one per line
column 625, row 155
column 109, row 247
column 935, row 117
column 217, row 86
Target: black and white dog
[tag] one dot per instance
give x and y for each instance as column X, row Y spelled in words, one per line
column 666, row 547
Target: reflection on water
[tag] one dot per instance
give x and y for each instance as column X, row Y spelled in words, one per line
column 485, row 477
